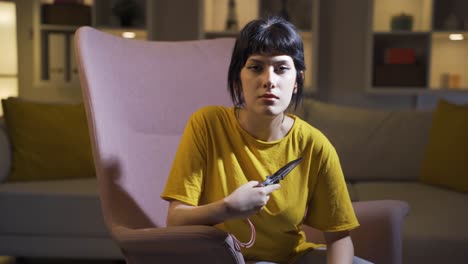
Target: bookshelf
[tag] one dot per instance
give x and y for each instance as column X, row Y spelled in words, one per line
column 417, row 46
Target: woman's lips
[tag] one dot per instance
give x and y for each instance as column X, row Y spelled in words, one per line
column 269, row 96
column 268, row 99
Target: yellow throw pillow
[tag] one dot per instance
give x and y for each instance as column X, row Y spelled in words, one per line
column 446, row 158
column 50, row 141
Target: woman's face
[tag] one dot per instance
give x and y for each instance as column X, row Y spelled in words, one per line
column 268, row 83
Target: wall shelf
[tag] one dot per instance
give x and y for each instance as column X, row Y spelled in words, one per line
column 409, row 47
column 55, row 24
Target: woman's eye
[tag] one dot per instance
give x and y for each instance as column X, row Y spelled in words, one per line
column 282, row 68
column 255, row 68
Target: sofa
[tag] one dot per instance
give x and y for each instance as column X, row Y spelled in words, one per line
column 49, row 210
column 382, row 153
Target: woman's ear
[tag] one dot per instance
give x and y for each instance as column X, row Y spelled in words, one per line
column 295, row 85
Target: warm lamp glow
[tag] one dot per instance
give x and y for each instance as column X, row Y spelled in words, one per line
column 7, row 14
column 8, row 51
column 128, row 34
column 456, row 37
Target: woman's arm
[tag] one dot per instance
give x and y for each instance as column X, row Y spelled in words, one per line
column 184, row 214
column 246, row 200
column 339, row 247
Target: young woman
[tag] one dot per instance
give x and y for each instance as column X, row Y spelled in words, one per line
column 225, row 153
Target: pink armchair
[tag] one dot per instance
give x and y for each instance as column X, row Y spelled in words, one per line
column 138, row 96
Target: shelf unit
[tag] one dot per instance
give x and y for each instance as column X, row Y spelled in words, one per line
column 55, row 25
column 163, row 20
column 304, row 14
column 53, row 44
column 410, row 50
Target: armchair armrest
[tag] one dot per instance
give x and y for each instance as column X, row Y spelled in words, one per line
column 181, row 244
column 379, row 238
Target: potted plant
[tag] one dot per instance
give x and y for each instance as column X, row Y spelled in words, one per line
column 126, row 11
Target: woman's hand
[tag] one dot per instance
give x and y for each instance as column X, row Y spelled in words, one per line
column 248, row 199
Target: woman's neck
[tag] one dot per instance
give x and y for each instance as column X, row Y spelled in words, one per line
column 264, row 127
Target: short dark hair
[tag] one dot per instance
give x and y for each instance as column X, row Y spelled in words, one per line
column 272, row 35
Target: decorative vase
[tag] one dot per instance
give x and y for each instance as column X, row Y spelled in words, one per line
column 231, row 21
column 452, row 22
column 126, row 11
column 126, row 21
column 402, row 22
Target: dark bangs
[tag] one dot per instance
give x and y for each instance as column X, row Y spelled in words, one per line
column 274, row 40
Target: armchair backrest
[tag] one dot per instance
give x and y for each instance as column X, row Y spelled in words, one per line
column 138, row 97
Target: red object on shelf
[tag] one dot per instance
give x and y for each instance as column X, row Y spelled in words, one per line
column 400, row 56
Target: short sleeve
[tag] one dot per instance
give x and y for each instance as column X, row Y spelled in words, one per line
column 185, row 179
column 330, row 208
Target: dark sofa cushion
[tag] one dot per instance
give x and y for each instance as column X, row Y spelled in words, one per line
column 373, row 144
column 49, row 141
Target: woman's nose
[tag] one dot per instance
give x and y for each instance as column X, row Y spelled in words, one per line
column 269, row 78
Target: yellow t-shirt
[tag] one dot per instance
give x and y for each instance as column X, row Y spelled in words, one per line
column 216, row 156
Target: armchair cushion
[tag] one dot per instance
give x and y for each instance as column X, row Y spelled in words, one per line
column 446, row 158
column 49, row 141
